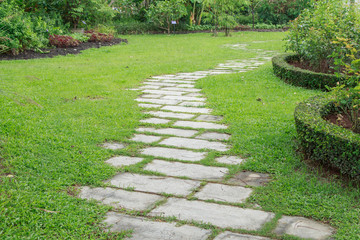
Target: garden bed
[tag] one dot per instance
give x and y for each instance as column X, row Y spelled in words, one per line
column 52, row 52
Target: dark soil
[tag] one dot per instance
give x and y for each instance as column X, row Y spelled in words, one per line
column 323, row 68
column 52, row 52
column 340, row 119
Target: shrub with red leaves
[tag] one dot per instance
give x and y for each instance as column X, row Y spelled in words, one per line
column 63, row 41
column 99, row 37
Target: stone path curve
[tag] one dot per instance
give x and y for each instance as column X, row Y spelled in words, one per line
column 181, row 132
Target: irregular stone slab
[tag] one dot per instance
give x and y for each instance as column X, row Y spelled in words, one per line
column 170, row 131
column 120, row 198
column 161, row 84
column 145, row 138
column 193, row 95
column 113, row 145
column 303, row 228
column 194, row 144
column 178, row 81
column 149, row 87
column 229, row 160
column 179, row 154
column 194, row 171
column 235, row 236
column 144, row 228
column 192, row 104
column 250, row 179
column 186, row 109
column 161, row 92
column 158, row 101
column 181, row 89
column 120, row 161
column 151, row 96
column 214, row 136
column 172, row 115
column 154, row 184
column 204, row 125
column 209, row 118
column 224, row 193
column 183, row 98
column 147, row 105
column 155, row 121
column 218, row 215
column 185, row 85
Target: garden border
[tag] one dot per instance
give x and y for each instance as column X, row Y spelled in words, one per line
column 301, row 77
column 322, row 141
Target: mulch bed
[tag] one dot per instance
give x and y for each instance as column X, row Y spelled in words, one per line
column 52, row 52
column 340, row 119
column 307, row 66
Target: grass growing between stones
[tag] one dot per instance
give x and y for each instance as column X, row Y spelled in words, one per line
column 259, row 109
column 55, row 114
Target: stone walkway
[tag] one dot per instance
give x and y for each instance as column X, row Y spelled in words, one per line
column 179, row 134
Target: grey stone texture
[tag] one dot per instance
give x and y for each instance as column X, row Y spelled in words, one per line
column 120, row 161
column 154, row 184
column 303, row 228
column 224, row 193
column 236, row 236
column 171, row 115
column 145, row 229
column 169, row 131
column 214, row 136
column 113, row 145
column 209, row 118
column 158, row 101
column 229, row 160
column 192, row 104
column 250, row 179
column 155, row 121
column 183, row 98
column 145, row 138
column 148, row 105
column 120, row 198
column 186, row 109
column 204, row 125
column 161, row 92
column 194, row 144
column 194, row 171
column 179, row 154
column 218, row 215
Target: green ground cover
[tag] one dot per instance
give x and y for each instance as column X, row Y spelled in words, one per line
column 56, row 112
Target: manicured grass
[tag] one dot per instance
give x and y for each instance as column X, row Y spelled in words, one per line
column 259, row 109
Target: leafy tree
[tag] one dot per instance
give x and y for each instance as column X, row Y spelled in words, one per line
column 253, row 5
column 163, row 12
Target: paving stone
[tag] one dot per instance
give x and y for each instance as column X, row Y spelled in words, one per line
column 154, row 184
column 199, row 125
column 218, row 215
column 161, row 84
column 229, row 160
column 303, row 228
column 151, row 96
column 133, row 89
column 236, row 236
column 120, row 161
column 145, row 138
column 194, row 144
column 171, row 115
column 145, row 229
column 186, row 109
column 194, row 95
column 161, row 92
column 179, row 81
column 158, row 101
column 149, row 87
column 183, row 98
column 194, row 171
column 181, row 89
column 214, row 136
column 250, row 179
column 185, row 85
column 113, row 145
column 155, row 121
column 147, row 105
column 179, row 154
column 170, row 131
column 224, row 193
column 209, row 118
column 192, row 104
column 120, row 198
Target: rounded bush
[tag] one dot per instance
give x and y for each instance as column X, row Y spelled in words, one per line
column 301, row 77
column 327, row 143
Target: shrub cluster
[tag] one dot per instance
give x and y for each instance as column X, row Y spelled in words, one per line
column 301, row 77
column 63, row 41
column 99, row 37
column 327, row 143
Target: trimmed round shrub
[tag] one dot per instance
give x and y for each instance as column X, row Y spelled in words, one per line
column 327, row 143
column 301, row 77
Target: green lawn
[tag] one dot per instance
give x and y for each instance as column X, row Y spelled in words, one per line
column 56, row 112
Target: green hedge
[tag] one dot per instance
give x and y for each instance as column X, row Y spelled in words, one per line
column 300, row 77
column 327, row 143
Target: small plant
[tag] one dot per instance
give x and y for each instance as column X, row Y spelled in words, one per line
column 80, row 37
column 62, row 41
column 347, row 101
column 99, row 37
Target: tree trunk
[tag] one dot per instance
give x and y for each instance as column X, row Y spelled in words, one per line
column 200, row 15
column 253, row 19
